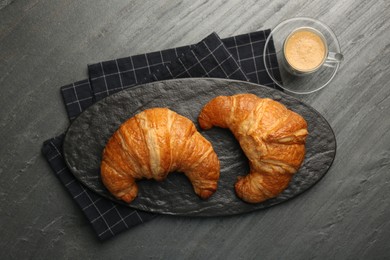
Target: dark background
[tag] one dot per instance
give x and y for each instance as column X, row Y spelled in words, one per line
column 47, row 44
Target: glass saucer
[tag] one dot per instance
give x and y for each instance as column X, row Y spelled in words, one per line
column 299, row 84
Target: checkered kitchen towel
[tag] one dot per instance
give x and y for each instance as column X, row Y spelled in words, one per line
column 238, row 57
column 209, row 58
column 107, row 77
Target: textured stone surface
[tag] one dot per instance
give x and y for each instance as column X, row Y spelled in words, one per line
column 88, row 134
column 46, row 44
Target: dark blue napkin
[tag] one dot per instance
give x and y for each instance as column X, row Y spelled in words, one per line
column 238, row 57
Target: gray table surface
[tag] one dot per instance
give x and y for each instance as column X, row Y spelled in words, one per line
column 46, row 44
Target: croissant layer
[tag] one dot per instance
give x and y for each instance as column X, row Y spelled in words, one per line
column 271, row 136
column 152, row 144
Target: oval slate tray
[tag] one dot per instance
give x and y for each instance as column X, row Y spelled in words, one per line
column 88, row 134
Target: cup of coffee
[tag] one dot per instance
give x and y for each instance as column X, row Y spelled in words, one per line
column 302, row 55
column 305, row 50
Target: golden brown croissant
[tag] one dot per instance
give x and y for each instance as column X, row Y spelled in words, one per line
column 271, row 136
column 152, row 144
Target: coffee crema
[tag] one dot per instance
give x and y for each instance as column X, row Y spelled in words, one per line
column 305, row 50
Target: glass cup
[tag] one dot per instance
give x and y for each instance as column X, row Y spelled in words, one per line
column 301, row 81
column 327, row 58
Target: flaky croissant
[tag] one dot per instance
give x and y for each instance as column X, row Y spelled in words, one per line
column 152, row 144
column 271, row 136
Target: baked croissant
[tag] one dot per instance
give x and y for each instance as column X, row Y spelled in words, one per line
column 152, row 144
column 271, row 136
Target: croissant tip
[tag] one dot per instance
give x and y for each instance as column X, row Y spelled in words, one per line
column 205, row 194
column 128, row 198
column 129, row 193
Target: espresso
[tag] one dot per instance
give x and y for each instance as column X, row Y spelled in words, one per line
column 305, row 50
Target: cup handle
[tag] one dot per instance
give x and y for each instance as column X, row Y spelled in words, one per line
column 333, row 59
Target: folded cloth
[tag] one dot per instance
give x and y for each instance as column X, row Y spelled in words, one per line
column 108, row 77
column 107, row 218
column 208, row 58
column 212, row 57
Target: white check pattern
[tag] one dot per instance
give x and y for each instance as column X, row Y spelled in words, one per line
column 209, row 58
column 108, row 77
column 107, row 218
column 77, row 97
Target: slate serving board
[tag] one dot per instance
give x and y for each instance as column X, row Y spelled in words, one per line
column 88, row 134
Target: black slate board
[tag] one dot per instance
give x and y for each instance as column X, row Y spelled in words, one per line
column 88, row 134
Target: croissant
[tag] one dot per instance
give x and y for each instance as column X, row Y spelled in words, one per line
column 152, row 144
column 271, row 136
